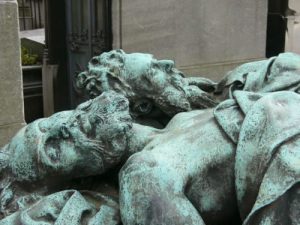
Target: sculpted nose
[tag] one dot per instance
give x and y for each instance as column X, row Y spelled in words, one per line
column 166, row 65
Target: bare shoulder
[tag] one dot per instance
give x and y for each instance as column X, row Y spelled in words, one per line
column 186, row 119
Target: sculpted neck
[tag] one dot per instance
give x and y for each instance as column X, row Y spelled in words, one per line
column 139, row 137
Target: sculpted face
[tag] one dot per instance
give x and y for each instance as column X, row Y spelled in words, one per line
column 144, row 80
column 82, row 142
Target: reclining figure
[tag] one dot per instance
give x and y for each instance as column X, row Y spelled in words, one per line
column 155, row 88
column 236, row 163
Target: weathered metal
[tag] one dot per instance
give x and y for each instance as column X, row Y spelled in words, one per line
column 232, row 161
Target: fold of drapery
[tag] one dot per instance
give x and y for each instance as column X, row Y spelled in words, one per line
column 266, row 129
column 68, row 207
column 274, row 74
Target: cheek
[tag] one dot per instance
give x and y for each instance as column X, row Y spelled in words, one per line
column 114, row 150
column 111, row 129
column 79, row 159
column 119, row 144
column 68, row 156
column 160, row 78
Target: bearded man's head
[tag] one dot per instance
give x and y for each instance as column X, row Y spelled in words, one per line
column 148, row 83
column 81, row 142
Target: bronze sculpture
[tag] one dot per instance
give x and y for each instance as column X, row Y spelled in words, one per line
column 244, row 152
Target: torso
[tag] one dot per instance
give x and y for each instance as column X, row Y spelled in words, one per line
column 198, row 150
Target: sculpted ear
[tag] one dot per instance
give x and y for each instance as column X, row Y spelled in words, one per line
column 57, row 132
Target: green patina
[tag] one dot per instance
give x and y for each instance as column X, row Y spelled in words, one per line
column 155, row 147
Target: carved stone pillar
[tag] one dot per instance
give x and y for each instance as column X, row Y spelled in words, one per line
column 11, row 90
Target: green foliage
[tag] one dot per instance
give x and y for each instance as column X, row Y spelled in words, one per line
column 27, row 57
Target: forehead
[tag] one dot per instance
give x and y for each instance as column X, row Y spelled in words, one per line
column 138, row 63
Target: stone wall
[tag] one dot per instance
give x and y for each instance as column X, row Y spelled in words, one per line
column 11, row 91
column 203, row 37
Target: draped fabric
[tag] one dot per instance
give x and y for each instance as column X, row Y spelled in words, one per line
column 274, row 74
column 265, row 128
column 263, row 125
column 66, row 208
column 267, row 161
